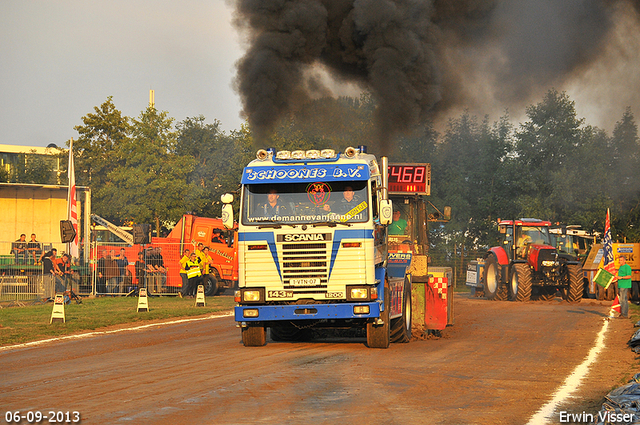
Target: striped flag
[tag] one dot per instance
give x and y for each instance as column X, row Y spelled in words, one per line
column 609, row 264
column 73, row 208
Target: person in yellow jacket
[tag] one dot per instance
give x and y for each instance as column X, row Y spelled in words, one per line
column 194, row 275
column 183, row 272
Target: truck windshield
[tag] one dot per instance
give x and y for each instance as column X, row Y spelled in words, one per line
column 300, row 203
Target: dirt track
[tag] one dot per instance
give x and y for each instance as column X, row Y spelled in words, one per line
column 498, row 364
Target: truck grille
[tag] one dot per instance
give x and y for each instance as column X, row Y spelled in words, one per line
column 305, row 261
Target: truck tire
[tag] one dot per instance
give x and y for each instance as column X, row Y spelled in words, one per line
column 520, row 282
column 576, row 284
column 600, row 292
column 401, row 326
column 379, row 336
column 210, row 285
column 493, row 288
column 254, row 336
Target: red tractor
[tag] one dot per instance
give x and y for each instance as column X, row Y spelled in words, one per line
column 527, row 263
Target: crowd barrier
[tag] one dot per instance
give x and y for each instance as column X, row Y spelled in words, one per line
column 23, row 279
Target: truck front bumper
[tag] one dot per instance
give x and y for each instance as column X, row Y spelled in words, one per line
column 266, row 313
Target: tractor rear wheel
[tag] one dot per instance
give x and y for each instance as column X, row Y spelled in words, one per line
column 401, row 326
column 493, row 288
column 520, row 282
column 576, row 284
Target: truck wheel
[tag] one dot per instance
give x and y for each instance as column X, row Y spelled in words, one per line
column 401, row 326
column 493, row 287
column 576, row 284
column 254, row 336
column 600, row 292
column 210, row 285
column 520, row 282
column 378, row 336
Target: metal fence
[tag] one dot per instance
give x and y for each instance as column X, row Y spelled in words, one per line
column 120, row 269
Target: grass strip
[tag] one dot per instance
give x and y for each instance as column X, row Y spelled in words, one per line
column 31, row 322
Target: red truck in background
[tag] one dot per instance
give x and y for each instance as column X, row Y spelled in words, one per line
column 223, row 248
column 187, row 233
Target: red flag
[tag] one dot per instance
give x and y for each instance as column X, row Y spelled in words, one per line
column 616, row 305
column 73, row 207
column 609, row 263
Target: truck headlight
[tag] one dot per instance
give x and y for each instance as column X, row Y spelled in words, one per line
column 360, row 309
column 359, row 293
column 549, row 263
column 251, row 295
column 250, row 312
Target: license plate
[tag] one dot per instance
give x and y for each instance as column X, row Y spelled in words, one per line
column 280, row 294
column 304, row 282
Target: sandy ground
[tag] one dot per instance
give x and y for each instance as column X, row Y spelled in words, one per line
column 499, row 364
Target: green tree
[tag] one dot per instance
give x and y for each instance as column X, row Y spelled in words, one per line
column 543, row 147
column 149, row 182
column 96, row 150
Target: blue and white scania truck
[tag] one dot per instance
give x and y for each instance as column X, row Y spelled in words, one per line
column 312, row 248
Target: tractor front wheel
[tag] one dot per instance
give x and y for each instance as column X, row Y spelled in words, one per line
column 520, row 282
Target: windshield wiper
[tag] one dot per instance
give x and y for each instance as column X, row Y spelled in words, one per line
column 331, row 223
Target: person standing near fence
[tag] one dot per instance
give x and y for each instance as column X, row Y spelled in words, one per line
column 194, row 274
column 111, row 273
column 183, row 272
column 123, row 263
column 141, row 270
column 51, row 274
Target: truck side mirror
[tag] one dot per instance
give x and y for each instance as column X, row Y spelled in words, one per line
column 227, row 216
column 386, row 211
column 226, row 198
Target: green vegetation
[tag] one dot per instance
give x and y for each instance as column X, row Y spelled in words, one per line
column 552, row 166
column 31, row 322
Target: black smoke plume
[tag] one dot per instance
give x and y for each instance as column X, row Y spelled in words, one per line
column 419, row 59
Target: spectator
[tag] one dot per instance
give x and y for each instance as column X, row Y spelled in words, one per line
column 140, row 268
column 109, row 271
column 101, row 284
column 155, row 268
column 51, row 272
column 68, row 276
column 34, row 248
column 194, row 274
column 183, row 272
column 123, row 264
column 19, row 249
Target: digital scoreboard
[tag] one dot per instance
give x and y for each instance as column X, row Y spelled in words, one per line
column 410, row 179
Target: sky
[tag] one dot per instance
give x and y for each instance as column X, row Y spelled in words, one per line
column 62, row 58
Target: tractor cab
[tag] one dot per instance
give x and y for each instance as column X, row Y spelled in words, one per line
column 522, row 236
